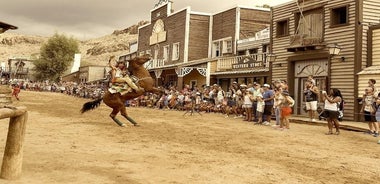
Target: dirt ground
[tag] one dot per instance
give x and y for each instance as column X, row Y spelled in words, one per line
column 64, row 146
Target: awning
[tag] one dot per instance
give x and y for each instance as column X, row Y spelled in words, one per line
column 370, row 70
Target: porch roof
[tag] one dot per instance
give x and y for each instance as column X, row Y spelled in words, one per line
column 370, row 70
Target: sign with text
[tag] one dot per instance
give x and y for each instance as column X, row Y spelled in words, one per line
column 247, row 62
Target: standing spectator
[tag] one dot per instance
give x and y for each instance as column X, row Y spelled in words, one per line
column 247, row 104
column 369, row 110
column 371, row 83
column 332, row 101
column 256, row 90
column 278, row 98
column 311, row 93
column 377, row 115
column 311, row 79
column 259, row 108
column 286, row 105
column 268, row 96
column 16, row 91
column 284, row 85
column 220, row 95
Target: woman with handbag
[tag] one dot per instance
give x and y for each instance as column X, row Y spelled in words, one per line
column 332, row 101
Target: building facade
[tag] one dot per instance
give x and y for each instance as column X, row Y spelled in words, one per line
column 303, row 32
column 201, row 49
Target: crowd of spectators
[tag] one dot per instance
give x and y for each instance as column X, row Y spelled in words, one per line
column 239, row 100
column 252, row 102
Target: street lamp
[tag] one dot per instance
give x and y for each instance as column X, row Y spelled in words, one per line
column 334, row 49
column 271, row 57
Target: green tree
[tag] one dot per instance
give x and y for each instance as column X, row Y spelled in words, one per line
column 56, row 56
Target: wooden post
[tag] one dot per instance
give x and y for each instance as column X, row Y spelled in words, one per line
column 13, row 153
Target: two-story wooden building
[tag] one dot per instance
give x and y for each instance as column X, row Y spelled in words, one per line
column 174, row 39
column 303, row 34
column 199, row 48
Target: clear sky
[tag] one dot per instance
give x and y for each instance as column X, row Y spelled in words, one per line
column 84, row 19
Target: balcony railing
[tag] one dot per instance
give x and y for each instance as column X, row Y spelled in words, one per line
column 13, row 70
column 155, row 63
column 248, row 61
column 251, row 61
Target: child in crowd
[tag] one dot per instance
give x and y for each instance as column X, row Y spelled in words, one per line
column 369, row 110
column 260, row 108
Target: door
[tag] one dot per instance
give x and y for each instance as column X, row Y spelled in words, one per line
column 319, row 70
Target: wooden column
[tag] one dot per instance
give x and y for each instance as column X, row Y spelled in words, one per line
column 13, row 153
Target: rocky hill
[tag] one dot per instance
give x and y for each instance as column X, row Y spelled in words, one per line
column 94, row 51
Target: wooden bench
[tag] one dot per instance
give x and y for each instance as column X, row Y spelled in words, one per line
column 13, row 153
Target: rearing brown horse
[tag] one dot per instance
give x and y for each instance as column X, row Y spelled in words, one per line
column 117, row 101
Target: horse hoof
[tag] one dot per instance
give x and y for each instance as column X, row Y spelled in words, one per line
column 122, row 125
column 136, row 125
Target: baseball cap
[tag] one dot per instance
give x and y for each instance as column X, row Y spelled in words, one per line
column 266, row 85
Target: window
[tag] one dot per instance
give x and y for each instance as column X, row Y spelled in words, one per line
column 339, row 16
column 227, row 46
column 141, row 53
column 253, row 51
column 282, row 28
column 175, row 55
column 310, row 24
column 166, row 53
column 216, row 49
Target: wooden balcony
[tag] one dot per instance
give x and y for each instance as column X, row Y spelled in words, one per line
column 155, row 63
column 22, row 71
column 253, row 61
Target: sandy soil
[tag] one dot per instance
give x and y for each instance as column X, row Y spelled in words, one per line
column 64, row 146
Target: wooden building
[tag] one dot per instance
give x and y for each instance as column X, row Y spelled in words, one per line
column 240, row 40
column 88, row 74
column 174, row 39
column 19, row 68
column 199, row 48
column 4, row 68
column 303, row 32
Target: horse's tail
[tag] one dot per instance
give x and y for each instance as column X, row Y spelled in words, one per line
column 91, row 105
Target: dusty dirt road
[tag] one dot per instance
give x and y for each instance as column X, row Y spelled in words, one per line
column 64, row 146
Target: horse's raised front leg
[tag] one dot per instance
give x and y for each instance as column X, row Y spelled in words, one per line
column 123, row 112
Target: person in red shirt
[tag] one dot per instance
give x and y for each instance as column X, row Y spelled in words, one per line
column 16, row 91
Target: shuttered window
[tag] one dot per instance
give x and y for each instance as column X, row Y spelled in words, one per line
column 310, row 23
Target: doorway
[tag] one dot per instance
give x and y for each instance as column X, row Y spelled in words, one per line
column 319, row 70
